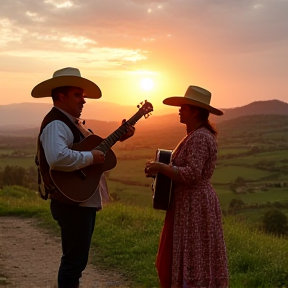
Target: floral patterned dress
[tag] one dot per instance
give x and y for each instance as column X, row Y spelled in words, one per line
column 192, row 252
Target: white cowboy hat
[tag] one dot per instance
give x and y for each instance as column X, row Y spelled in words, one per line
column 195, row 96
column 66, row 77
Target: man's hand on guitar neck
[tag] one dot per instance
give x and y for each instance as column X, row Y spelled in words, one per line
column 129, row 132
column 98, row 156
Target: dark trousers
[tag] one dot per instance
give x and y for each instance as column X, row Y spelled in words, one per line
column 77, row 226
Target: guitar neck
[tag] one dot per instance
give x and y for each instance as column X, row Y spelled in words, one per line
column 116, row 135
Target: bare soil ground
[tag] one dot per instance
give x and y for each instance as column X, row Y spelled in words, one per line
column 30, row 257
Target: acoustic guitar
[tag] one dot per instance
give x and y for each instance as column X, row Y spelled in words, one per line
column 80, row 185
column 162, row 185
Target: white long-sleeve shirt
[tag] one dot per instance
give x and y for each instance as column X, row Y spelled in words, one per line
column 57, row 140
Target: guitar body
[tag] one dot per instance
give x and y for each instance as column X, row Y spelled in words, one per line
column 80, row 185
column 162, row 184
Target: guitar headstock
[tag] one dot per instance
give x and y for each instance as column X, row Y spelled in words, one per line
column 145, row 108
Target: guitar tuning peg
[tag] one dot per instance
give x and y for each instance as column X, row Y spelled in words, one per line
column 147, row 115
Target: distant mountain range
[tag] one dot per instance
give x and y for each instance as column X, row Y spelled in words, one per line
column 256, row 108
column 25, row 118
column 31, row 114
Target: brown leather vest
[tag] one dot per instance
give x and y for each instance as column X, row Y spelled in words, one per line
column 44, row 180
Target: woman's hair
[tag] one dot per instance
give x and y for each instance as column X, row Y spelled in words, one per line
column 203, row 116
column 56, row 91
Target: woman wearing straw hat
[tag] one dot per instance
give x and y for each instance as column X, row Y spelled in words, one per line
column 60, row 129
column 192, row 251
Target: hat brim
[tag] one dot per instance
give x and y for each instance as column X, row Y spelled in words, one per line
column 178, row 101
column 43, row 89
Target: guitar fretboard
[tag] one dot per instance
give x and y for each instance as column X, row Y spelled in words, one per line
column 116, row 135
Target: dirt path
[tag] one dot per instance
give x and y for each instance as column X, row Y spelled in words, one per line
column 29, row 258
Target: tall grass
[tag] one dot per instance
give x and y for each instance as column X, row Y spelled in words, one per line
column 255, row 259
column 126, row 240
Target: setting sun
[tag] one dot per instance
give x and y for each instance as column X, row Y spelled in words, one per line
column 147, row 84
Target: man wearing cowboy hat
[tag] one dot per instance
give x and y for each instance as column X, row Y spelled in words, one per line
column 60, row 129
column 192, row 251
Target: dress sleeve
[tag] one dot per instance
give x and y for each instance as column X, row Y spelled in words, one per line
column 196, row 152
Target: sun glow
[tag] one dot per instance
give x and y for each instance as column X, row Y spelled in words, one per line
column 147, row 84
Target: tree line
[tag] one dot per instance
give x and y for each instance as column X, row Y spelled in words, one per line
column 15, row 175
column 273, row 221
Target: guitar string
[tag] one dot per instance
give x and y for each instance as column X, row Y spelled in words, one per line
column 115, row 136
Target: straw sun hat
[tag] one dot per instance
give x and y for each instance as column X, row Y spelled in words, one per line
column 66, row 77
column 195, row 96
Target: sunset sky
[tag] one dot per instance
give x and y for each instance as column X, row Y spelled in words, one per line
column 236, row 49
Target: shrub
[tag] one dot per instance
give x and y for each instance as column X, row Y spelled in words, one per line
column 275, row 222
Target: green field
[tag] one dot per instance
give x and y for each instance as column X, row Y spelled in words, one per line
column 227, row 174
column 130, row 194
column 274, row 156
column 17, row 161
column 130, row 171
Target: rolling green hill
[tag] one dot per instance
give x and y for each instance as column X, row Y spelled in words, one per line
column 252, row 156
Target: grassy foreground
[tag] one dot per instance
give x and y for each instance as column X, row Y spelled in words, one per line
column 126, row 239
